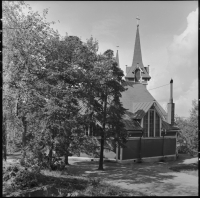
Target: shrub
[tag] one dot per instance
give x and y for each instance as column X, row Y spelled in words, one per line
column 60, row 165
column 25, row 178
column 35, row 160
column 10, row 171
column 188, row 136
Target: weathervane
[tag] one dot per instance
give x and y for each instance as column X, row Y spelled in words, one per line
column 137, row 18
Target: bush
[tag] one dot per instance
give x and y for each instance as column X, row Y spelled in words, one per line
column 25, row 178
column 21, row 177
column 10, row 171
column 35, row 160
column 60, row 165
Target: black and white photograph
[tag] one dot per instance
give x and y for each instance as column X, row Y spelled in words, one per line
column 100, row 98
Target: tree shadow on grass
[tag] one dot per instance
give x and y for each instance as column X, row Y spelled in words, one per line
column 131, row 173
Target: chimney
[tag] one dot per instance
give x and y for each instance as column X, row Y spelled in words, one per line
column 170, row 106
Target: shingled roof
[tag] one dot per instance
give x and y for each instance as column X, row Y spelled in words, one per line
column 138, row 100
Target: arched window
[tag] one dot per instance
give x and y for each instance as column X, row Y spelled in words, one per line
column 151, row 129
column 151, row 123
column 137, row 75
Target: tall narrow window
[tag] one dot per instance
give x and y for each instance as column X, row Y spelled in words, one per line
column 151, row 130
column 137, row 75
column 157, row 132
column 145, row 125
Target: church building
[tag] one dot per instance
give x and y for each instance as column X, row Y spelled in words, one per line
column 152, row 131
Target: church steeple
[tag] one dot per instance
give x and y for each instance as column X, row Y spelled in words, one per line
column 137, row 72
column 137, row 56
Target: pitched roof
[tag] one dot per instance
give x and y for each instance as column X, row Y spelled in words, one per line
column 138, row 100
column 137, row 59
column 130, row 123
column 141, row 108
column 169, row 127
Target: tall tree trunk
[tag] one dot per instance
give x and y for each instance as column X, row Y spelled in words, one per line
column 102, row 135
column 66, row 154
column 66, row 158
column 101, row 152
column 24, row 122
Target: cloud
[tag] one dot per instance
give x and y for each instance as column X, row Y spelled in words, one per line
column 183, row 52
column 184, row 102
column 182, row 66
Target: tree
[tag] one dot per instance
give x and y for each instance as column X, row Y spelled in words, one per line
column 103, row 90
column 63, row 88
column 188, row 137
column 46, row 80
column 25, row 45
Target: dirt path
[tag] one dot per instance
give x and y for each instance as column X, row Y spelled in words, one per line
column 149, row 178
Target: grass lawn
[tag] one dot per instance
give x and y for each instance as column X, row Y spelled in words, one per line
column 83, row 179
column 59, row 183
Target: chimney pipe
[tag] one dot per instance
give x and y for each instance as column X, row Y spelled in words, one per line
column 171, row 106
column 171, row 91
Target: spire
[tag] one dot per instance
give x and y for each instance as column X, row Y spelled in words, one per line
column 137, row 56
column 117, row 58
column 137, row 63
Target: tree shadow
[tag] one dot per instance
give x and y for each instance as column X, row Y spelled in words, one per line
column 132, row 173
column 135, row 173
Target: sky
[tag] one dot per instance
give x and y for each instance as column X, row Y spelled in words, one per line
column 168, row 37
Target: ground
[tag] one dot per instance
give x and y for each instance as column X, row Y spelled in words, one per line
column 152, row 178
column 157, row 179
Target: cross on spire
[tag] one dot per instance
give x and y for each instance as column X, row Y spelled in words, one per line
column 137, row 18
